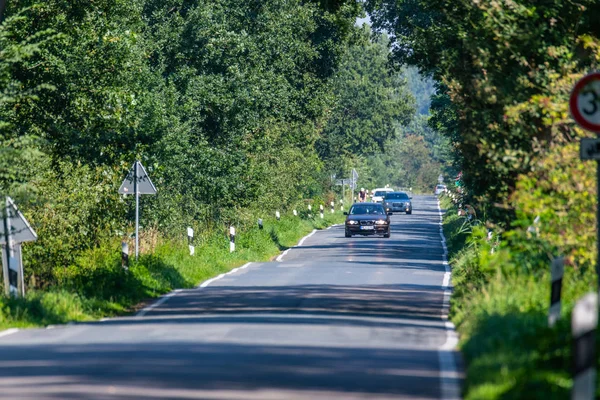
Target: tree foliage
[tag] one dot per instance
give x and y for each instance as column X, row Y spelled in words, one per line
column 507, row 68
column 371, row 102
column 222, row 101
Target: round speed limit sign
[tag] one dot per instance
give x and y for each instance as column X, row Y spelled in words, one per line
column 585, row 102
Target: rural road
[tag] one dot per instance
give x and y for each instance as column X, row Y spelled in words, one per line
column 337, row 318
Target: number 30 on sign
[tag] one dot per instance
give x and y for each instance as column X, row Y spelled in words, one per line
column 585, row 102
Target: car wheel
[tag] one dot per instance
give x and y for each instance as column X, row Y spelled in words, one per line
column 348, row 234
column 387, row 235
column 409, row 212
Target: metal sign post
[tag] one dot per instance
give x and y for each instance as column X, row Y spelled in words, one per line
column 354, row 176
column 137, row 182
column 584, row 105
column 14, row 230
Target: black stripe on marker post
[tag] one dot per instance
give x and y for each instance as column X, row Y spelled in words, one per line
column 584, row 351
column 557, row 272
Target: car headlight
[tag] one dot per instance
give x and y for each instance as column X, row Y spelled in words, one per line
column 352, row 222
column 381, row 222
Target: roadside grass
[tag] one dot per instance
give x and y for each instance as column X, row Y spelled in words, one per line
column 97, row 286
column 508, row 348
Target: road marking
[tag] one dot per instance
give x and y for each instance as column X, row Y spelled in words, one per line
column 449, row 375
column 9, row 332
column 157, row 303
column 204, row 284
column 306, row 237
column 280, row 257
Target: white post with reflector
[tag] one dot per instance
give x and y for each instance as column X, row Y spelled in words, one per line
column 277, row 215
column 321, row 210
column 295, row 212
column 332, row 206
column 190, row 235
column 124, row 255
column 231, row 239
column 584, row 321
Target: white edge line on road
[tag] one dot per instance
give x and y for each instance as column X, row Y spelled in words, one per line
column 301, row 242
column 280, row 257
column 207, row 282
column 449, row 388
column 204, row 284
column 9, row 332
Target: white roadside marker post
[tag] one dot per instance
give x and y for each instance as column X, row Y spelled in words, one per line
column 277, row 215
column 190, row 234
column 332, row 206
column 557, row 272
column 260, row 223
column 321, row 211
column 295, row 213
column 124, row 255
column 231, row 239
column 309, row 211
column 341, row 205
column 583, row 325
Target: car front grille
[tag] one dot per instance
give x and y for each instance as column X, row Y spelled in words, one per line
column 398, row 204
column 367, row 222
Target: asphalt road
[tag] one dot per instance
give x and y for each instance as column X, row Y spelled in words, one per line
column 337, row 318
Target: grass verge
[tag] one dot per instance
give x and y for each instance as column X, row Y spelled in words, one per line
column 501, row 315
column 96, row 286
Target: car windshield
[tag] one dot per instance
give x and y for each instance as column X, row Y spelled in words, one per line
column 380, row 193
column 368, row 209
column 441, row 186
column 396, row 196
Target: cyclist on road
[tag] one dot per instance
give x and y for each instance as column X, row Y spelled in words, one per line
column 362, row 195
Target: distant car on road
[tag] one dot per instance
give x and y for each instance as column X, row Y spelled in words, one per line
column 439, row 189
column 397, row 202
column 380, row 193
column 367, row 219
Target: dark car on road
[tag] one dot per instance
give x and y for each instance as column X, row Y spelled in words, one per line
column 397, row 202
column 367, row 219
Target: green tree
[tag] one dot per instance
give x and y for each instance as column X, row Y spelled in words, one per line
column 371, row 102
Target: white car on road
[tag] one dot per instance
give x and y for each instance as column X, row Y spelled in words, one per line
column 379, row 194
column 439, row 189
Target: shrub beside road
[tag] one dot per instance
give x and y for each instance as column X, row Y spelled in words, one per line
column 500, row 309
column 96, row 285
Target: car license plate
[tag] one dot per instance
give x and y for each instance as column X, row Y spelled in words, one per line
column 367, row 228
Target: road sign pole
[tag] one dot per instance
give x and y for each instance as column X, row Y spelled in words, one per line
column 137, row 209
column 583, row 105
column 598, row 223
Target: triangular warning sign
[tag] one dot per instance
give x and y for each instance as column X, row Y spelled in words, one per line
column 139, row 174
column 19, row 230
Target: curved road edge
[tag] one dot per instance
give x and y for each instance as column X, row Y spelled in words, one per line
column 449, row 374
